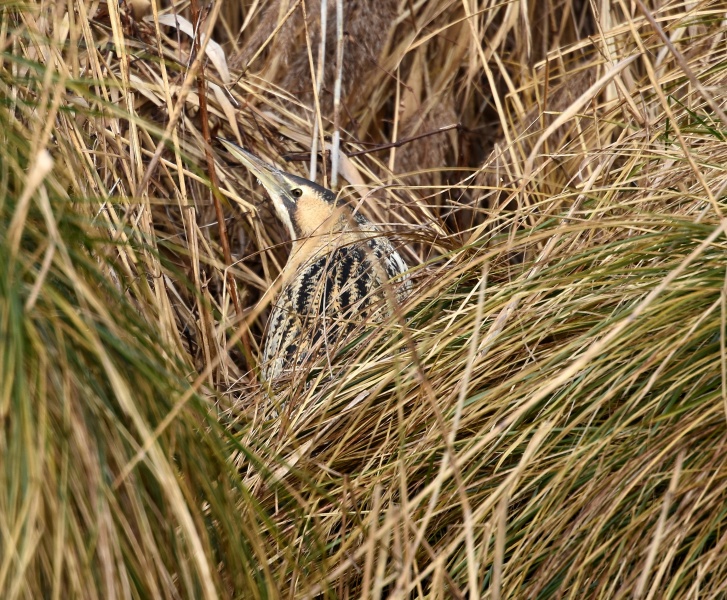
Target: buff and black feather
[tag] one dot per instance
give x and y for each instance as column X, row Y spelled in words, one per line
column 335, row 277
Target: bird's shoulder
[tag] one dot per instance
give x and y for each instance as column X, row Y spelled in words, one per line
column 339, row 278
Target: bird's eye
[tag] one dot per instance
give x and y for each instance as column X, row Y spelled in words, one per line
column 297, row 192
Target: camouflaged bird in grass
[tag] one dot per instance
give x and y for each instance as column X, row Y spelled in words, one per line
column 335, row 276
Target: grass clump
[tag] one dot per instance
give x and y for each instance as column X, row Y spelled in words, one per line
column 544, row 417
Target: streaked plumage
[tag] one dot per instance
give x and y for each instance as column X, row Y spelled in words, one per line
column 335, row 274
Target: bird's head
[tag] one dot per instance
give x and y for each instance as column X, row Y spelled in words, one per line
column 304, row 207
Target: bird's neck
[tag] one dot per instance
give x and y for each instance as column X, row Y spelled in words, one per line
column 336, row 231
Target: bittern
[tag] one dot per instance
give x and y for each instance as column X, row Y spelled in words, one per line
column 335, row 276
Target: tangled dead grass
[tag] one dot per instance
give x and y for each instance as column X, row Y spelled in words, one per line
column 544, row 418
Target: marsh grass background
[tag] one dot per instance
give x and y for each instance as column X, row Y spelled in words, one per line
column 545, row 417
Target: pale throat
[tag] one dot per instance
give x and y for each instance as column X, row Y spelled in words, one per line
column 316, row 218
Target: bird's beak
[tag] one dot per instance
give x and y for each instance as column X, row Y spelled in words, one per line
column 272, row 178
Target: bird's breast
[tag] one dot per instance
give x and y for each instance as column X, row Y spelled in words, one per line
column 331, row 293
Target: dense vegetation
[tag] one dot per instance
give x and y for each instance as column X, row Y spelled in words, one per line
column 544, row 418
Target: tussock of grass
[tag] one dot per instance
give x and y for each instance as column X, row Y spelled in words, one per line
column 545, row 417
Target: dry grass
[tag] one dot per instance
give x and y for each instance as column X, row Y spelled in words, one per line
column 544, row 418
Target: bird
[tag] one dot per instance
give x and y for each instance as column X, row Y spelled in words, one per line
column 335, row 276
